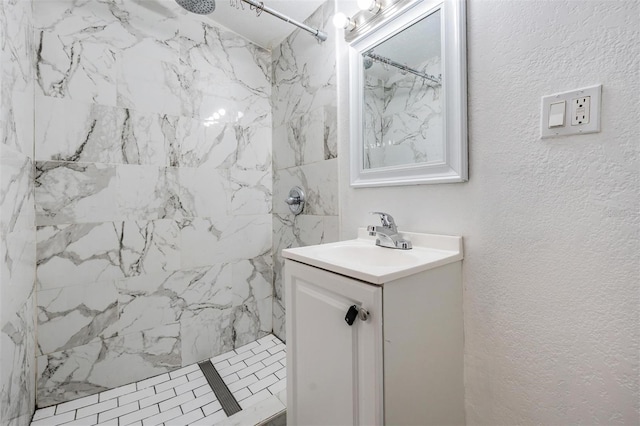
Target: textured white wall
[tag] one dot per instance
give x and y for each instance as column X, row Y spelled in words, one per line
column 551, row 227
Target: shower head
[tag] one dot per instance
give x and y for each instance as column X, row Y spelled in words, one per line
column 201, row 7
column 368, row 62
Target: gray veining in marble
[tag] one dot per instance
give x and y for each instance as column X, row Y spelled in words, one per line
column 17, row 350
column 75, row 315
column 69, row 192
column 79, row 254
column 17, row 214
column 70, row 130
column 149, row 192
column 17, row 53
column 97, row 366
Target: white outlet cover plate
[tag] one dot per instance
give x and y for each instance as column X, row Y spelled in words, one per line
column 592, row 126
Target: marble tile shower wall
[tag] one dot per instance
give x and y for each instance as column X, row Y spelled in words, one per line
column 403, row 112
column 17, row 214
column 153, row 193
column 304, row 145
column 373, row 103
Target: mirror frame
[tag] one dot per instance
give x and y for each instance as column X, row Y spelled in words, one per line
column 454, row 168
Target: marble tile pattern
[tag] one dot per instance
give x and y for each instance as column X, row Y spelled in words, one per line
column 403, row 118
column 304, row 146
column 373, row 103
column 255, row 372
column 153, row 193
column 17, row 214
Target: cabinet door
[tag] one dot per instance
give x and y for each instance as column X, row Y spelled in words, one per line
column 334, row 371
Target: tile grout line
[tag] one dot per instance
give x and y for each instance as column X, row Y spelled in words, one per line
column 219, row 388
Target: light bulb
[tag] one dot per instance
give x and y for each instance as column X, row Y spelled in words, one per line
column 340, row 20
column 372, row 6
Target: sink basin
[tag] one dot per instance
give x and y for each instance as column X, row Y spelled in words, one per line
column 368, row 255
column 363, row 260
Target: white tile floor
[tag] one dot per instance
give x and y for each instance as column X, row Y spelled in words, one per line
column 255, row 374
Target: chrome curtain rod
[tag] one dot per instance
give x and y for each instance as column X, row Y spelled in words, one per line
column 260, row 7
column 402, row 67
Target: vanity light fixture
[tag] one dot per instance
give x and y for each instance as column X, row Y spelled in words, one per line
column 372, row 6
column 340, row 20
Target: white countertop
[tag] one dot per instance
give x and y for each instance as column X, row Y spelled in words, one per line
column 363, row 260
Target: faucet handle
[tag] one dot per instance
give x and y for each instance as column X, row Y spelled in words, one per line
column 387, row 219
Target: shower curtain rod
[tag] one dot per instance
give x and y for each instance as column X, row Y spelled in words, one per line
column 260, row 7
column 402, row 67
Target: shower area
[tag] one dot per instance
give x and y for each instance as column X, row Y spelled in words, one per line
column 146, row 155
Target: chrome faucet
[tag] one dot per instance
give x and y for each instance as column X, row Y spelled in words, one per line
column 387, row 234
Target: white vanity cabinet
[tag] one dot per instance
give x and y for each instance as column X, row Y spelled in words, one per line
column 332, row 367
column 403, row 364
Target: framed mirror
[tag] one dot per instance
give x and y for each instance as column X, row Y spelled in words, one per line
column 408, row 96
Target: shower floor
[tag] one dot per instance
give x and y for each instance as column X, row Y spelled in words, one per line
column 255, row 374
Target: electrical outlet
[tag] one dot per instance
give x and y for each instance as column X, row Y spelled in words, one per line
column 580, row 110
column 576, row 112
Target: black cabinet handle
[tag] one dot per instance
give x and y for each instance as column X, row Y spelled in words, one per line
column 352, row 314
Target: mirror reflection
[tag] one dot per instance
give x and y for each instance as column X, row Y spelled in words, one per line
column 403, row 120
